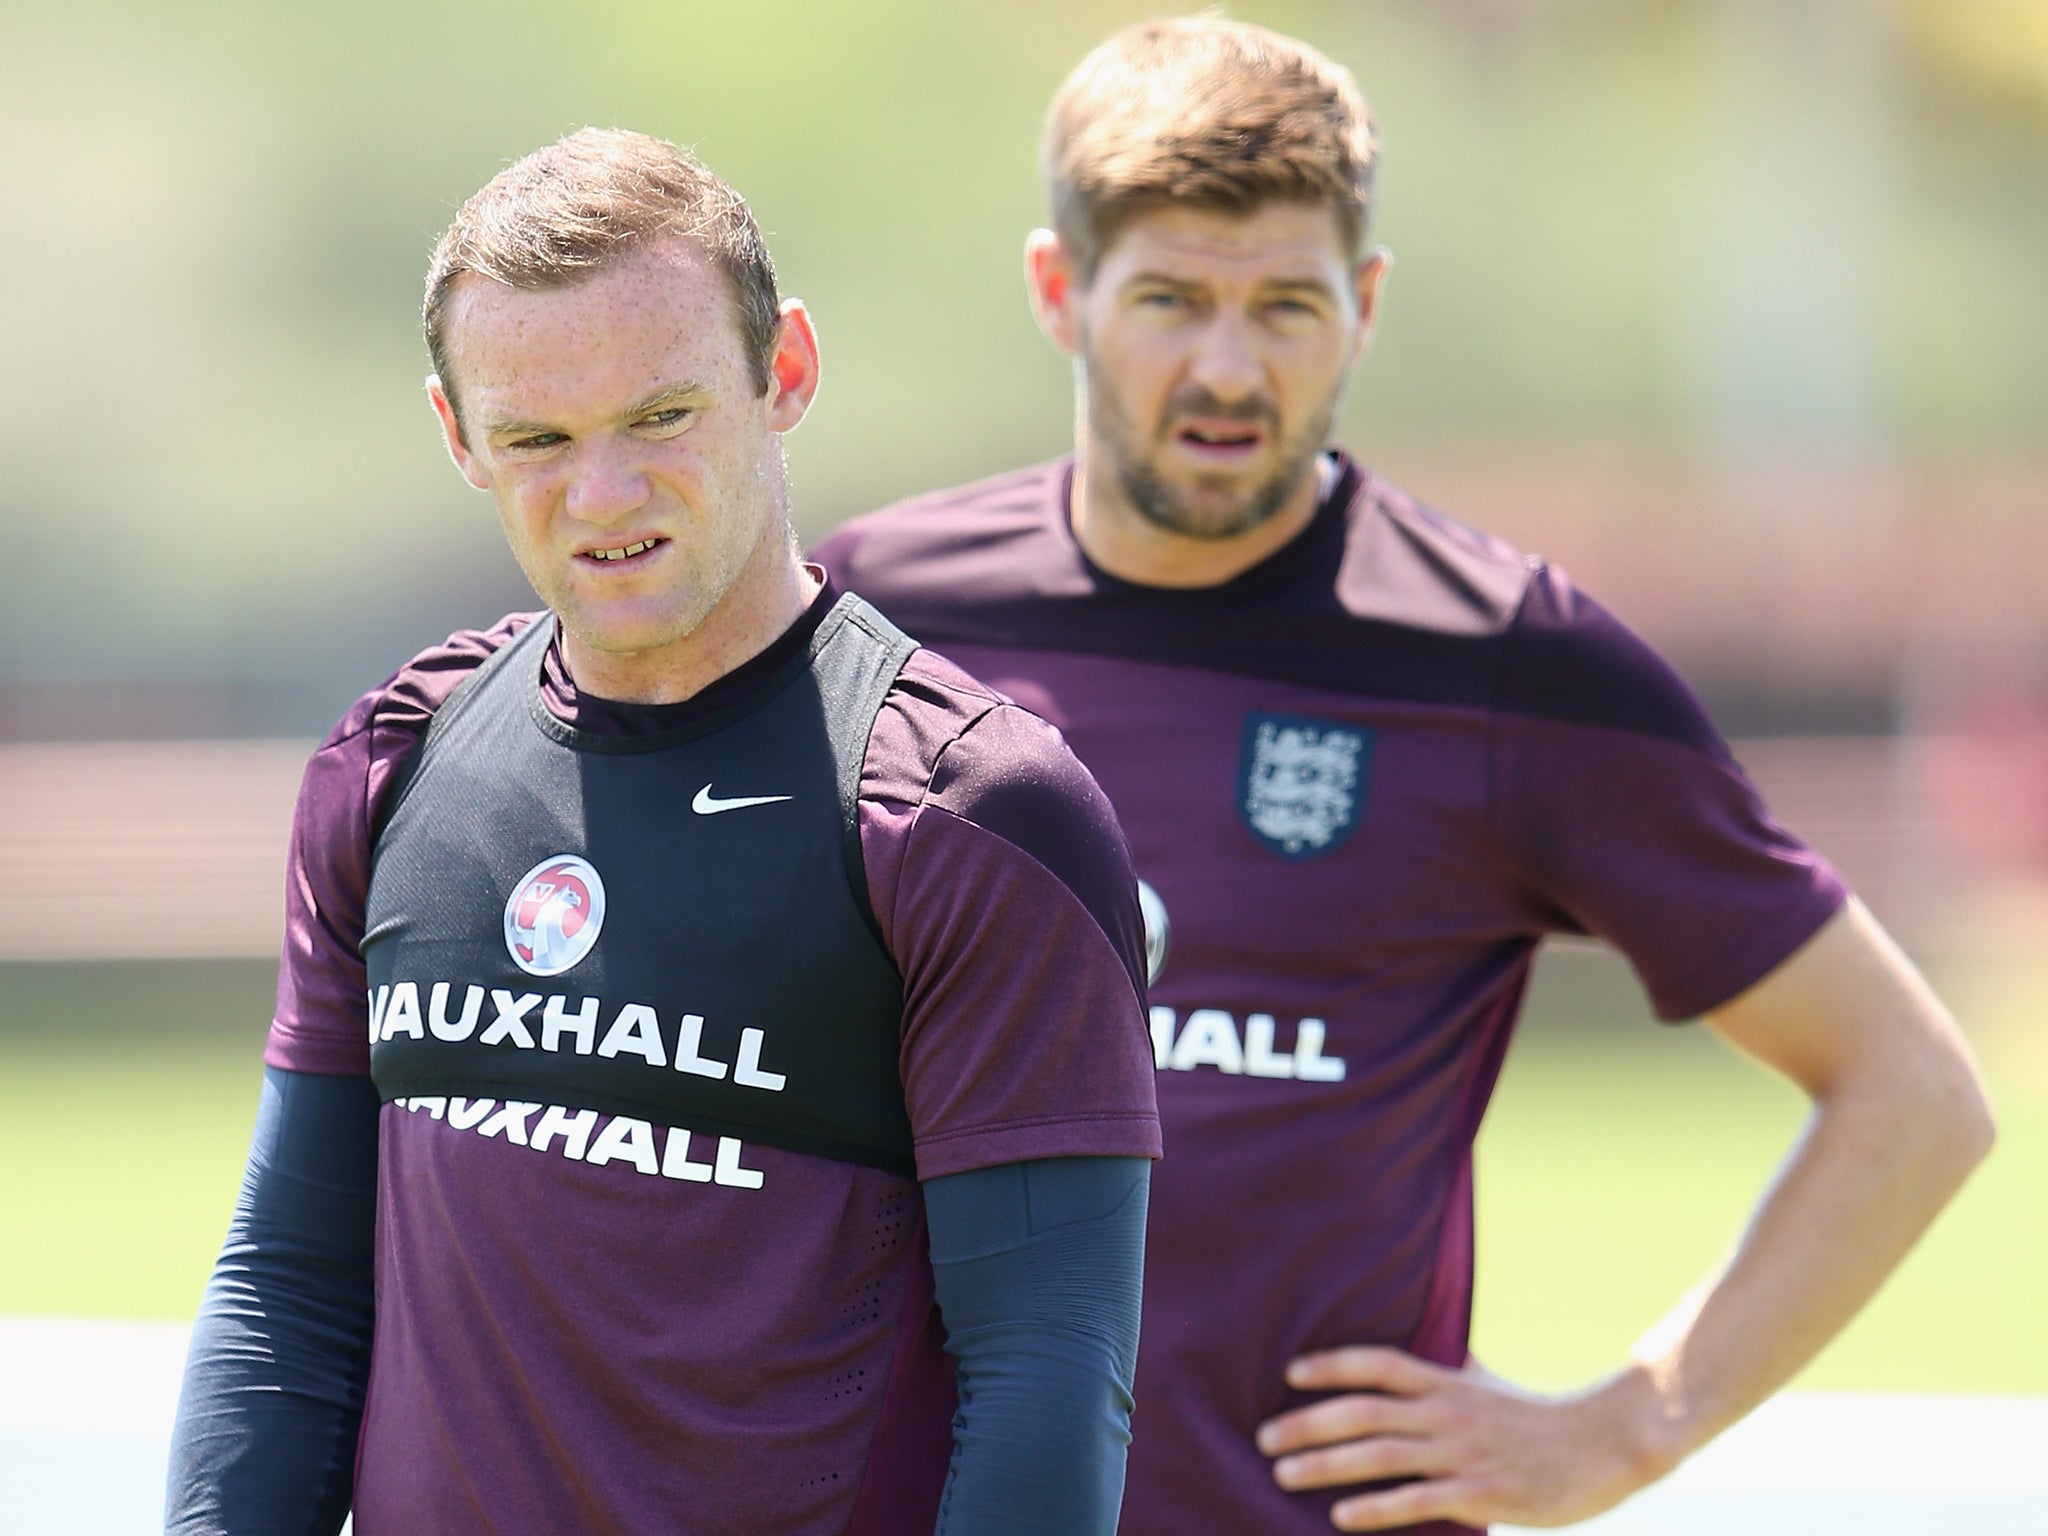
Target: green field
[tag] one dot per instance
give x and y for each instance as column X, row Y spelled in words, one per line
column 1619, row 1160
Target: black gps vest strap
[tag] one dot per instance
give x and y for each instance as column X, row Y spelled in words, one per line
column 869, row 673
column 451, row 707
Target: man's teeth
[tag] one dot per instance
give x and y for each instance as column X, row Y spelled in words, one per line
column 626, row 553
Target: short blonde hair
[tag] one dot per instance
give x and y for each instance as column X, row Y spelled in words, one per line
column 585, row 202
column 1205, row 112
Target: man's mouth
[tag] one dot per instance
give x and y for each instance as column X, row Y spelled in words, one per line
column 624, row 552
column 1220, row 439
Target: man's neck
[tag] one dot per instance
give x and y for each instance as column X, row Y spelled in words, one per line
column 1119, row 540
column 770, row 595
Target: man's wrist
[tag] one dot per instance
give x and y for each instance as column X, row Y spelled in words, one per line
column 1644, row 1422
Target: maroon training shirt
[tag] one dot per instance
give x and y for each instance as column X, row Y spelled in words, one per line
column 1362, row 781
column 585, row 1337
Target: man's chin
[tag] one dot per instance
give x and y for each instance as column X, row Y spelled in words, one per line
column 1212, row 514
column 1210, row 504
column 605, row 628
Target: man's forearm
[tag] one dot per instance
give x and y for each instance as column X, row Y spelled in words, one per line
column 1038, row 1267
column 1877, row 1162
column 265, row 1435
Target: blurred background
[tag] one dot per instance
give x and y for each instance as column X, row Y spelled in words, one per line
column 1737, row 309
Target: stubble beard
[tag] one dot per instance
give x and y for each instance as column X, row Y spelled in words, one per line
column 1115, row 437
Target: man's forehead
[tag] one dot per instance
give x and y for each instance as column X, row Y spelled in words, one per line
column 596, row 345
column 1283, row 237
column 672, row 276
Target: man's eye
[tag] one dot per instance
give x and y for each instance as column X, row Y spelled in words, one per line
column 659, row 421
column 539, row 442
column 1162, row 300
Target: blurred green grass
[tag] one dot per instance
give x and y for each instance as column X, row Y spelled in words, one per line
column 1619, row 1160
column 125, row 1108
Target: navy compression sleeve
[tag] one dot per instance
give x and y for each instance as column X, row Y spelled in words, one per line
column 265, row 1439
column 1038, row 1268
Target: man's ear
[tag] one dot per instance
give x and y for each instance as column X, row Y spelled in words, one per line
column 793, row 370
column 1054, row 284
column 451, row 432
column 1368, row 280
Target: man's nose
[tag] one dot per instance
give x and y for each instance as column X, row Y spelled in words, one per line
column 605, row 486
column 1225, row 361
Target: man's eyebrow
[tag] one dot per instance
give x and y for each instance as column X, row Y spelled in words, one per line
column 1152, row 279
column 686, row 393
column 497, row 426
column 1301, row 285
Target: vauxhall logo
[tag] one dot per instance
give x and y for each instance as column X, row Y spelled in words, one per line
column 1211, row 1037
column 552, row 919
column 635, row 1030
column 553, row 915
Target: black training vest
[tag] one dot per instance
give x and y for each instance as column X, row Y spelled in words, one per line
column 605, row 923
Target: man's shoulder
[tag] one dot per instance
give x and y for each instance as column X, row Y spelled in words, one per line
column 1554, row 653
column 993, row 787
column 1404, row 562
column 1012, row 501
column 1571, row 661
column 980, row 541
column 1025, row 491
column 354, row 768
column 403, row 703
column 939, row 725
column 948, row 741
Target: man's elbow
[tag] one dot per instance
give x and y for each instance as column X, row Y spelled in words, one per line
column 1971, row 1127
column 1944, row 1112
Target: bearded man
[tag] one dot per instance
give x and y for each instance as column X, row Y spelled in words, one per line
column 1368, row 759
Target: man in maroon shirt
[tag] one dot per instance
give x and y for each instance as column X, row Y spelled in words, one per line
column 651, row 1040
column 1367, row 759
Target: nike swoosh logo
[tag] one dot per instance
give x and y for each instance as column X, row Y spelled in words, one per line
column 708, row 804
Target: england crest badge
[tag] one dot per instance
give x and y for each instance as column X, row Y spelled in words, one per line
column 1301, row 782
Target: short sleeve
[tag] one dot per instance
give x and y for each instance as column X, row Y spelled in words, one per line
column 1003, row 888
column 1628, row 818
column 321, row 1023
column 322, row 1019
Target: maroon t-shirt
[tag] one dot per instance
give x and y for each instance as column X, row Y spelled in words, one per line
column 1362, row 781
column 578, row 1331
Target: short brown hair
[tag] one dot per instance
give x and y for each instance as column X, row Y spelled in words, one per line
column 584, row 203
column 1204, row 112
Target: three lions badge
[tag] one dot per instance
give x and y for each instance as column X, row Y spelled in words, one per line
column 1301, row 782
